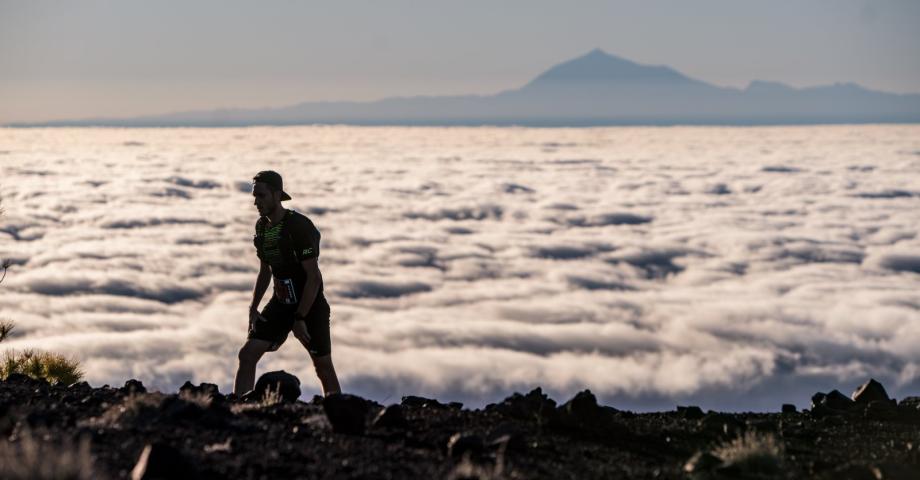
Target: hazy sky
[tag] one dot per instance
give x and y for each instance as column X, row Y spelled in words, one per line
column 107, row 58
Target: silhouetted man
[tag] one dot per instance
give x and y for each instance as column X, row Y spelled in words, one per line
column 287, row 244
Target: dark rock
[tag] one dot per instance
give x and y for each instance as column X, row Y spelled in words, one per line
column 852, row 472
column 347, row 413
column 161, row 461
column 462, row 443
column 834, row 401
column 533, row 406
column 287, row 385
column 909, row 408
column 789, row 408
column 582, row 410
column 881, row 410
column 133, row 386
column 897, row 471
column 19, row 378
column 391, row 417
column 720, row 424
column 702, row 462
column 175, row 408
column 870, row 391
column 507, row 436
column 690, row 413
column 80, row 387
column 456, row 405
column 207, row 390
column 421, row 402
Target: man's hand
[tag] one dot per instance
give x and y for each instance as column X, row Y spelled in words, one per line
column 300, row 330
column 255, row 316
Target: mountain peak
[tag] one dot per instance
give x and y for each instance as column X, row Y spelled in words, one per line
column 598, row 67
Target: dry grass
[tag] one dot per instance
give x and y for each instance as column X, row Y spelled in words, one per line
column 272, row 396
column 49, row 366
column 6, row 328
column 132, row 408
column 34, row 457
column 752, row 454
column 201, row 399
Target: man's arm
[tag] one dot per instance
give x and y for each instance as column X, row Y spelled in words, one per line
column 265, row 276
column 314, row 278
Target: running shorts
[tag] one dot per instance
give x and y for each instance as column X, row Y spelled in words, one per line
column 279, row 320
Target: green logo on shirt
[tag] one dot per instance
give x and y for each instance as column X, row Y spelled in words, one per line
column 307, row 251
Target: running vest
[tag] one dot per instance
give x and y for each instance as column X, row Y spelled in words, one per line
column 276, row 246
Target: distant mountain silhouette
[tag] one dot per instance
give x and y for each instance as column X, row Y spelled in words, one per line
column 594, row 89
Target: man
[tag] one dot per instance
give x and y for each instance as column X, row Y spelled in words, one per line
column 287, row 243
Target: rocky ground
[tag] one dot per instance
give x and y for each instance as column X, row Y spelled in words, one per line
column 80, row 432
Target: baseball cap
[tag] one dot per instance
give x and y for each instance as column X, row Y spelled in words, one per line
column 273, row 180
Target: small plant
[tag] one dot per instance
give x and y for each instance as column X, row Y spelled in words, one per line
column 202, row 399
column 37, row 364
column 34, row 457
column 752, row 454
column 272, row 396
column 5, row 329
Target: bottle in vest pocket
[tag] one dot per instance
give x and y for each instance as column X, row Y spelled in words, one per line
column 284, row 291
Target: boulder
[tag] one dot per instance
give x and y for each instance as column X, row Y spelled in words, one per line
column 869, row 392
column 691, row 412
column 347, row 413
column 205, row 389
column 390, row 417
column 909, row 408
column 720, row 424
column 161, row 461
column 789, row 408
column 19, row 378
column 881, row 410
column 421, row 402
column 834, row 401
column 582, row 411
column 287, row 385
column 534, row 405
column 133, row 387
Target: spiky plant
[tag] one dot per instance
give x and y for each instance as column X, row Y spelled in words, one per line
column 753, row 454
column 50, row 366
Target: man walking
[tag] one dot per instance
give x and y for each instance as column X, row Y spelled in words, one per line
column 287, row 244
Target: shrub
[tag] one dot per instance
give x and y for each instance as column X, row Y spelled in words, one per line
column 41, row 365
column 36, row 364
column 752, row 454
column 5, row 329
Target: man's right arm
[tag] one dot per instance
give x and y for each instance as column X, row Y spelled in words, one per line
column 265, row 276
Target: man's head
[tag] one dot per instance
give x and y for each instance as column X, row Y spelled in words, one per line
column 268, row 190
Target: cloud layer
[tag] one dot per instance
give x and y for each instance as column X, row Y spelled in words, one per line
column 737, row 268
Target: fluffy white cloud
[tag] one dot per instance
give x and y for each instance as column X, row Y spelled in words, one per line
column 737, row 268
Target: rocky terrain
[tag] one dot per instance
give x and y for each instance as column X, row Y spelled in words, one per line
column 79, row 432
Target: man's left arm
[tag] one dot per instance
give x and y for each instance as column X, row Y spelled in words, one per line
column 314, row 279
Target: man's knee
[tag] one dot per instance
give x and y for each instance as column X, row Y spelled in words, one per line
column 250, row 354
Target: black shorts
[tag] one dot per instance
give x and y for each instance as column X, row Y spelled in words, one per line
column 279, row 319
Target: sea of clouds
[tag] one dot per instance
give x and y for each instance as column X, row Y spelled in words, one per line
column 734, row 268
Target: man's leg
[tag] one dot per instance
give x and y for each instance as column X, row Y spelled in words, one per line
column 250, row 354
column 326, row 373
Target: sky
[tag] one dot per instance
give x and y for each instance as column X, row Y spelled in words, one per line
column 66, row 60
column 730, row 268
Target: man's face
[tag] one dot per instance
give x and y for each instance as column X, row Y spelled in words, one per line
column 266, row 201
